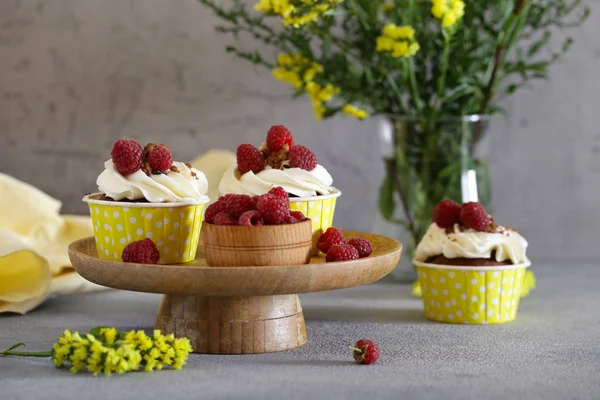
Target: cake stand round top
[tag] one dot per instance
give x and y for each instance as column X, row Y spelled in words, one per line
column 197, row 278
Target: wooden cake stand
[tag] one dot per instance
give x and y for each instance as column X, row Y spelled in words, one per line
column 235, row 310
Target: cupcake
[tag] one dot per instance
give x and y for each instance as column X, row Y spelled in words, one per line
column 471, row 269
column 145, row 194
column 281, row 162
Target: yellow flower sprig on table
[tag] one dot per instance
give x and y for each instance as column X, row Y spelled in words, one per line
column 105, row 350
column 398, row 40
column 449, row 12
column 296, row 13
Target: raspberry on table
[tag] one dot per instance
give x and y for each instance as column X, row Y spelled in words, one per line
column 366, row 352
column 249, row 158
column 160, row 158
column 331, row 237
column 251, row 218
column 278, row 136
column 238, row 204
column 298, row 215
column 141, row 252
column 224, row 218
column 273, row 209
column 279, row 192
column 446, row 213
column 362, row 245
column 127, row 156
column 302, row 157
column 473, row 215
column 341, row 252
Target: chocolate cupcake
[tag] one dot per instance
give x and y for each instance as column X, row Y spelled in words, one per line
column 471, row 269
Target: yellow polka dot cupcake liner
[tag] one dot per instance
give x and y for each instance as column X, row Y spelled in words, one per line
column 471, row 295
column 173, row 227
column 320, row 209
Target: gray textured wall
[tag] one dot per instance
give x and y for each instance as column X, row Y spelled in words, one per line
column 77, row 74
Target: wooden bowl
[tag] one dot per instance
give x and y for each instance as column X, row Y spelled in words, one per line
column 235, row 246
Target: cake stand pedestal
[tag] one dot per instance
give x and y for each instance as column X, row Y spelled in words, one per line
column 235, row 310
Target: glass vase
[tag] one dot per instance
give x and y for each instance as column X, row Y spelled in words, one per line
column 426, row 161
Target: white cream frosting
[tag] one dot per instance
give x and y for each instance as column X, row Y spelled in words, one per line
column 296, row 181
column 167, row 187
column 507, row 244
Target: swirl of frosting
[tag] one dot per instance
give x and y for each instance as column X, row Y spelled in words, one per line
column 296, row 181
column 506, row 244
column 185, row 185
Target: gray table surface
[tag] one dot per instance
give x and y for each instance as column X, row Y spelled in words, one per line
column 552, row 350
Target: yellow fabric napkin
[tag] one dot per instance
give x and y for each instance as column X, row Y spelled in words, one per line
column 34, row 262
column 214, row 163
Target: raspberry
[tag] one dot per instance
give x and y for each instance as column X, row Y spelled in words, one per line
column 298, row 215
column 332, row 236
column 341, row 252
column 212, row 210
column 238, row 204
column 273, row 209
column 224, row 218
column 279, row 192
column 290, row 220
column 278, row 136
column 446, row 213
column 141, row 252
column 473, row 215
column 215, row 208
column 362, row 245
column 365, row 352
column 251, row 218
column 160, row 158
column 302, row 157
column 127, row 156
column 249, row 159
column 328, row 232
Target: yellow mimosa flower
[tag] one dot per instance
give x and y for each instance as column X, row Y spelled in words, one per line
column 109, row 334
column 399, row 32
column 439, row 8
column 321, row 94
column 290, row 77
column 400, row 49
column 296, row 13
column 108, row 351
column 413, row 48
column 263, row 6
column 448, row 20
column 384, row 44
column 319, row 110
column 397, row 40
column 449, row 12
column 354, row 111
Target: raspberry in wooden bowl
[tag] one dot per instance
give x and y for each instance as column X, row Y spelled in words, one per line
column 240, row 230
column 282, row 162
